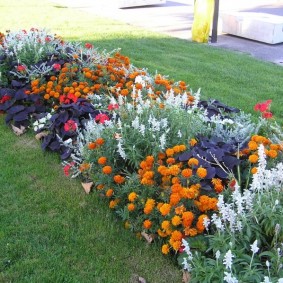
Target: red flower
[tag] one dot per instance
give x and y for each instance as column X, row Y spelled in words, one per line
column 67, row 168
column 88, row 45
column 113, row 106
column 69, row 98
column 70, row 125
column 264, row 109
column 264, row 106
column 101, row 118
column 21, row 68
column 47, row 39
column 267, row 115
column 5, row 98
column 56, row 67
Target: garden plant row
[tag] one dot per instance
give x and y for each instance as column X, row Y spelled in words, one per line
column 202, row 179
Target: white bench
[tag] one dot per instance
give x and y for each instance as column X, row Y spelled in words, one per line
column 136, row 3
column 256, row 26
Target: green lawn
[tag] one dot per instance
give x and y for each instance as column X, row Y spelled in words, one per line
column 50, row 230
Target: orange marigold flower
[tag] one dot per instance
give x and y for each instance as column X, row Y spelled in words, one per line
column 201, row 172
column 187, row 173
column 193, row 162
column 92, row 145
column 147, row 209
column 193, row 142
column 218, row 187
column 131, row 207
column 132, row 196
column 169, row 152
column 176, row 245
column 176, row 188
column 102, row 160
column 100, row 141
column 254, row 170
column 119, row 179
column 272, row 153
column 165, row 209
column 174, row 199
column 109, row 193
column 165, row 225
column 149, row 159
column 107, row 170
column 182, row 147
column 179, row 210
column 187, row 218
column 175, row 180
column 206, row 203
column 161, row 155
column 174, row 170
column 165, row 249
column 100, row 186
column 176, row 148
column 148, row 175
column 176, row 220
column 161, row 233
column 84, row 166
column 252, row 145
column 170, row 160
column 275, row 146
column 113, row 203
column 253, row 158
column 200, row 223
column 176, row 236
column 191, row 232
column 124, row 92
column 147, row 224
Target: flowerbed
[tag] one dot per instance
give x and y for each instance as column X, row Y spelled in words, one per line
column 201, row 178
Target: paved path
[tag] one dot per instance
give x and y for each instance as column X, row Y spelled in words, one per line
column 175, row 19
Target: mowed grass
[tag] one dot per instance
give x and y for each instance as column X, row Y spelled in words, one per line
column 50, row 230
column 234, row 78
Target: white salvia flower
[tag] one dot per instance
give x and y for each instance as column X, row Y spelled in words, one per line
column 187, row 249
column 139, row 109
column 119, row 124
column 139, row 79
column 136, row 123
column 206, row 222
column 120, row 100
column 186, row 265
column 179, row 134
column 217, row 222
column 267, row 263
column 142, row 129
column 120, row 149
column 254, row 247
column 162, row 141
column 228, row 260
column 229, row 278
column 42, row 120
column 266, row 280
column 196, row 99
column 217, row 255
column 280, row 280
column 164, row 122
column 129, row 106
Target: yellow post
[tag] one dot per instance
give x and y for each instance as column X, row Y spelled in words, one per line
column 203, row 15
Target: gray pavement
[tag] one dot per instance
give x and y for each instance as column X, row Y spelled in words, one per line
column 175, row 18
